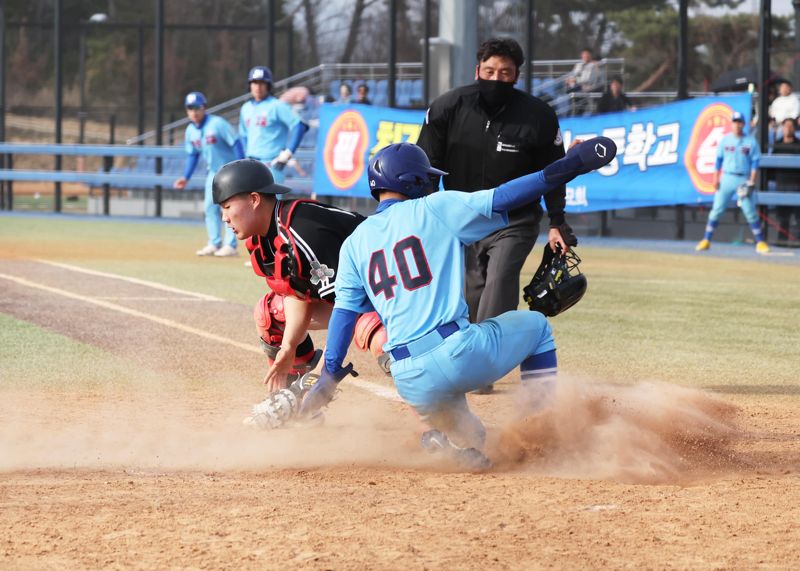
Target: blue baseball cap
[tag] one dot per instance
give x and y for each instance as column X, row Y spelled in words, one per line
column 737, row 116
column 260, row 73
column 195, row 99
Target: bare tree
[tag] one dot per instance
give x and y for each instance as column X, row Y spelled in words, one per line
column 354, row 33
column 310, row 11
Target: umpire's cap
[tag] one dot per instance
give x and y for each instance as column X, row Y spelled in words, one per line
column 260, row 73
column 195, row 99
column 244, row 176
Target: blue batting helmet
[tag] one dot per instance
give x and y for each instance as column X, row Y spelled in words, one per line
column 260, row 73
column 195, row 99
column 403, row 168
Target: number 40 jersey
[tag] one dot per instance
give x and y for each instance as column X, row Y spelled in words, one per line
column 407, row 261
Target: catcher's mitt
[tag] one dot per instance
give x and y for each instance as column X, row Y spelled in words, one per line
column 282, row 407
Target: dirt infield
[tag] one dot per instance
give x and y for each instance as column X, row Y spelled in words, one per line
column 150, row 467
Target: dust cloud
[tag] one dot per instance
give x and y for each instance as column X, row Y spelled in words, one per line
column 644, row 433
column 151, row 433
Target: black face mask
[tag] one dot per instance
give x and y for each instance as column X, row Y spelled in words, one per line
column 495, row 93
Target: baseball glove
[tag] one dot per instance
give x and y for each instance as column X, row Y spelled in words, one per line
column 282, row 407
column 744, row 190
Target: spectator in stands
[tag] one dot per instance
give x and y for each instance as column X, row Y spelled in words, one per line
column 738, row 156
column 585, row 76
column 362, row 92
column 785, row 105
column 615, row 99
column 345, row 94
column 213, row 138
column 787, row 179
column 485, row 134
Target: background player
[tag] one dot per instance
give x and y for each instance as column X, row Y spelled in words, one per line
column 406, row 261
column 269, row 128
column 294, row 244
column 737, row 158
column 213, row 138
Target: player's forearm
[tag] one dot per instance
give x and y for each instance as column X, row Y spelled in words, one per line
column 528, row 189
column 238, row 149
column 340, row 332
column 298, row 318
column 191, row 164
column 296, row 136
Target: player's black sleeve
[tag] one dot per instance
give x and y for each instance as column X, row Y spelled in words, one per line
column 433, row 136
column 553, row 149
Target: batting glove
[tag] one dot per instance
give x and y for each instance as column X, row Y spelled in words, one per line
column 279, row 163
column 323, row 390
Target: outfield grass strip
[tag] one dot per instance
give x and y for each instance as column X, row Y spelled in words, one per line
column 375, row 389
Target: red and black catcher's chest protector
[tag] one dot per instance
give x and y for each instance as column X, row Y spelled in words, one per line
column 285, row 274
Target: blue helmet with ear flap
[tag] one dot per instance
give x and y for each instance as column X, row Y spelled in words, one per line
column 195, row 99
column 403, row 168
column 260, row 73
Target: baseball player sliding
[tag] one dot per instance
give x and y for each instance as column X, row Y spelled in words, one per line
column 407, row 263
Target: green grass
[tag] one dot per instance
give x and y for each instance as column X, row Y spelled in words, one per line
column 161, row 252
column 46, row 203
column 694, row 320
column 33, row 357
column 687, row 319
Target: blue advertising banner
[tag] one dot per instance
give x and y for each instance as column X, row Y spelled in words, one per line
column 348, row 136
column 665, row 154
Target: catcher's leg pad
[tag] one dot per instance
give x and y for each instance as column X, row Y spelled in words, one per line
column 370, row 335
column 270, row 318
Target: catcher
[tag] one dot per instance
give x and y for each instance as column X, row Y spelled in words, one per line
column 294, row 245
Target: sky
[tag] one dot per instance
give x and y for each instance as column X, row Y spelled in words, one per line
column 779, row 8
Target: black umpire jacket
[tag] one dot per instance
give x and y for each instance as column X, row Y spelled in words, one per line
column 482, row 149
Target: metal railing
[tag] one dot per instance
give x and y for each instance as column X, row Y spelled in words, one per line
column 579, row 103
column 318, row 78
column 135, row 178
column 315, row 79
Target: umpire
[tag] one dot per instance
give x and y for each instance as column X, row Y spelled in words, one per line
column 485, row 134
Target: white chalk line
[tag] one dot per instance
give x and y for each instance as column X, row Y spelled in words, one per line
column 377, row 390
column 146, row 298
column 137, row 281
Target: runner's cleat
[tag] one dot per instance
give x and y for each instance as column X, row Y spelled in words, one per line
column 436, row 442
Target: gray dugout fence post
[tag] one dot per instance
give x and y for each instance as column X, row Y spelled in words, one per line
column 108, row 163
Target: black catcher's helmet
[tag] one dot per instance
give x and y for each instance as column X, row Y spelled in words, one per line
column 557, row 285
column 244, row 176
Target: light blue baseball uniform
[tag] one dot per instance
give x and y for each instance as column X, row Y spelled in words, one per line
column 214, row 139
column 264, row 128
column 738, row 156
column 416, row 284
